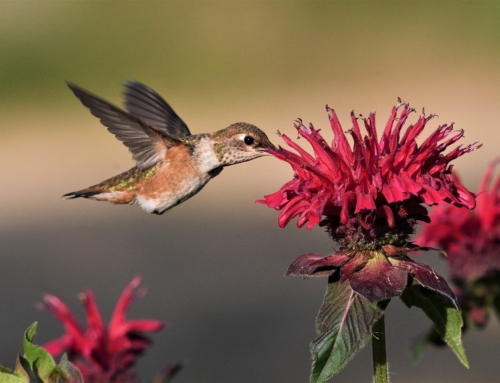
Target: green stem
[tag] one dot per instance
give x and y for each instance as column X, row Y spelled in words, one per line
column 378, row 347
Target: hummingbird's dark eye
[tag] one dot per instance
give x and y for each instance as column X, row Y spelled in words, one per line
column 248, row 140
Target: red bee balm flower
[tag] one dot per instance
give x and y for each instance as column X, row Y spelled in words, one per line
column 369, row 196
column 103, row 354
column 471, row 240
column 370, row 180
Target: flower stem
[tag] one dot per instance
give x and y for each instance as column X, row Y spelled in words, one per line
column 378, row 348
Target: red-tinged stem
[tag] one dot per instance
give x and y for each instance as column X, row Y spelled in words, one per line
column 379, row 355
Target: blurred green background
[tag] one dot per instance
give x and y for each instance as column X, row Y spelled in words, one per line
column 214, row 265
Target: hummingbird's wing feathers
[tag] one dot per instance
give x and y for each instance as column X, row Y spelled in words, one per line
column 143, row 102
column 147, row 143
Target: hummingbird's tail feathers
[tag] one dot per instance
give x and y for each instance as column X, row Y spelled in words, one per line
column 85, row 193
column 116, row 196
column 143, row 102
column 119, row 189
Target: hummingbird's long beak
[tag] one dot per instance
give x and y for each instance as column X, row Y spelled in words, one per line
column 265, row 151
column 268, row 145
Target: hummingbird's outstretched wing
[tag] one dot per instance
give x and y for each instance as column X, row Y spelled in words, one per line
column 143, row 102
column 147, row 142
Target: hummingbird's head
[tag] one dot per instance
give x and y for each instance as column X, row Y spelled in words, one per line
column 240, row 142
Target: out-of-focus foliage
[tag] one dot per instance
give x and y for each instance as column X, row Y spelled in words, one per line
column 217, row 44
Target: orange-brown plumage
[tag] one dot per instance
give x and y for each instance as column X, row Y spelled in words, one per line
column 175, row 167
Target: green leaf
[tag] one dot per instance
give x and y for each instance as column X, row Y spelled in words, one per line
column 5, row 370
column 69, row 373
column 19, row 375
column 345, row 321
column 23, row 370
column 442, row 312
column 11, row 378
column 41, row 362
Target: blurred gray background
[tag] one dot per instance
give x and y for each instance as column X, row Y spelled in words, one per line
column 214, row 266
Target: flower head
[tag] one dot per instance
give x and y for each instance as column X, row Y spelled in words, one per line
column 103, row 354
column 375, row 180
column 471, row 240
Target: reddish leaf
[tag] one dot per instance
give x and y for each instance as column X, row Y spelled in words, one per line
column 379, row 280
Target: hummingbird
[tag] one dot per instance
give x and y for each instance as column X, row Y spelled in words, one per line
column 172, row 165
